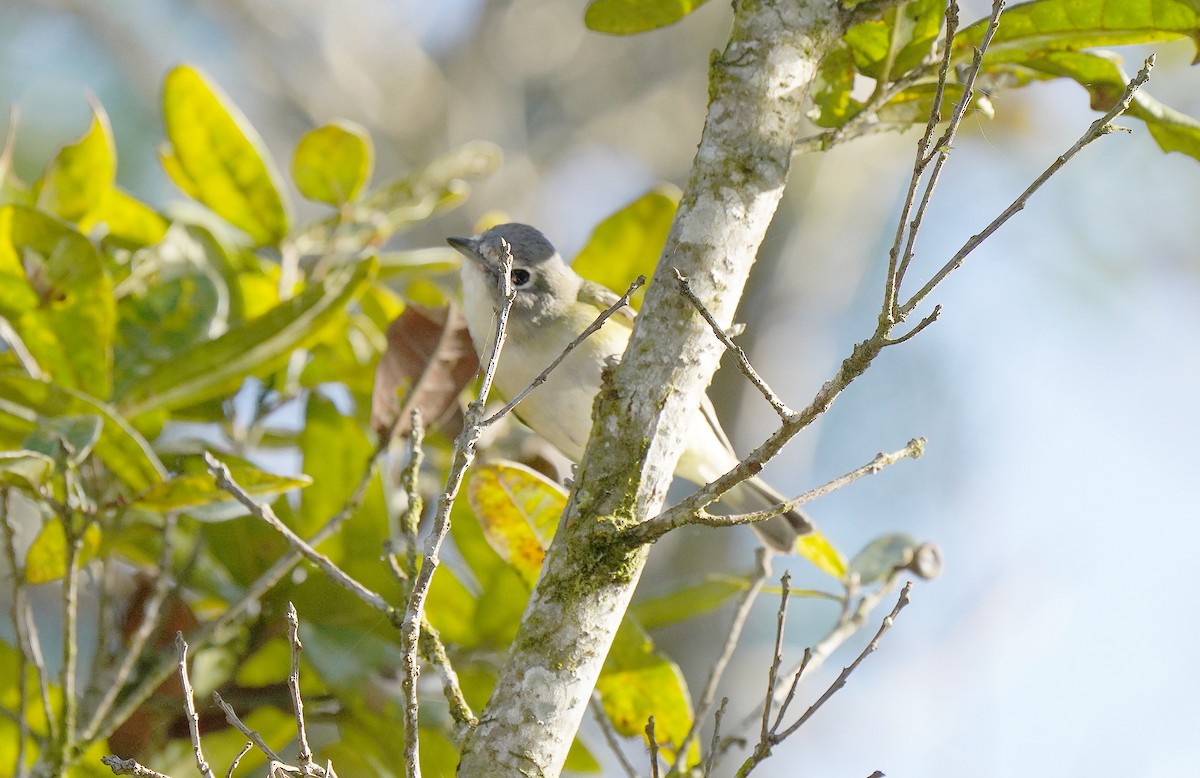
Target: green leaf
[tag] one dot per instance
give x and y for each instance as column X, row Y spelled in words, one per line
column 66, row 438
column 78, row 178
column 25, row 469
column 628, row 17
column 195, row 489
column 390, row 207
column 333, row 163
column 46, row 559
column 26, row 402
column 832, row 101
column 335, row 451
column 891, row 46
column 1031, row 29
column 127, row 218
column 628, row 243
column 56, row 294
column 208, row 369
column 637, row 682
column 219, row 159
column 173, row 313
column 817, row 549
column 687, row 602
column 1100, row 73
column 882, row 556
column 519, row 509
column 418, row 263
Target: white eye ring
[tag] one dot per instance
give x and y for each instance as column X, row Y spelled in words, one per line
column 519, row 277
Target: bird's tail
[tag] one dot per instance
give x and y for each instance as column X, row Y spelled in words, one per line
column 779, row 533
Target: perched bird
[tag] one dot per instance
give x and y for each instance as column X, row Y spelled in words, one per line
column 551, row 306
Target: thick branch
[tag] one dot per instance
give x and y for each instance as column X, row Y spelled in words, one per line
column 758, row 87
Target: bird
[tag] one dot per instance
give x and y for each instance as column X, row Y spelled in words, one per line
column 551, row 306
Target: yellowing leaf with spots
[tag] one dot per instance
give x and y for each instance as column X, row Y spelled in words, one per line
column 637, row 682
column 519, row 511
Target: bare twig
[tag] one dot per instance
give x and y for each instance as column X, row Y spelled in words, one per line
column 610, row 736
column 587, row 333
column 714, row 743
column 743, row 361
column 225, row 481
column 464, row 455
column 772, row 736
column 1098, row 128
column 39, row 663
column 232, row 717
column 652, row 739
column 130, row 767
column 762, row 569
column 845, row 674
column 65, row 743
column 305, row 754
column 692, row 509
column 163, row 584
column 410, row 519
column 237, row 610
column 189, row 702
column 776, row 657
column 18, row 606
column 233, row 765
column 941, row 149
column 434, row 652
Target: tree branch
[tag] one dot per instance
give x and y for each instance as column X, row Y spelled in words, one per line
column 759, row 86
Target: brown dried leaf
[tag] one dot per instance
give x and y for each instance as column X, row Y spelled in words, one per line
column 430, row 354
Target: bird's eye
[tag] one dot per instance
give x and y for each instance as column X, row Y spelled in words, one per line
column 519, row 277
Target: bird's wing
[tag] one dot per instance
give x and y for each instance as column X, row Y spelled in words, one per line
column 710, row 416
column 602, row 297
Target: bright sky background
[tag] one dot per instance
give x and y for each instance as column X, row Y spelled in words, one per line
column 1058, row 391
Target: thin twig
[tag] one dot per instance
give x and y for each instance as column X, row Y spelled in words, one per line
column 39, row 662
column 850, row 621
column 762, row 570
column 610, row 736
column 836, row 686
column 189, row 702
column 941, row 149
column 587, row 333
column 743, row 361
column 652, row 739
column 434, row 652
column 795, row 684
column 410, row 519
column 233, row 765
column 463, row 456
column 70, row 647
column 777, row 656
column 772, row 736
column 150, row 680
column 16, row 607
column 121, row 766
column 304, row 754
column 714, row 743
column 692, row 509
column 891, row 285
column 226, row 483
column 163, row 584
column 1099, row 127
column 232, row 717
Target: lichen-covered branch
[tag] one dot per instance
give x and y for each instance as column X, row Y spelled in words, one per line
column 758, row 87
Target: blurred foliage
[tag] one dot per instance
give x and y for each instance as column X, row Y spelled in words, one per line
column 137, row 340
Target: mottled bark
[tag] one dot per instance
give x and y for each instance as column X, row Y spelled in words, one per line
column 758, row 89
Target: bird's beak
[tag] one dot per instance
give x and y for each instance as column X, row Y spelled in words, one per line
column 469, row 248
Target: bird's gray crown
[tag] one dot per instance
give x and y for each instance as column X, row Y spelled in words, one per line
column 529, row 246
